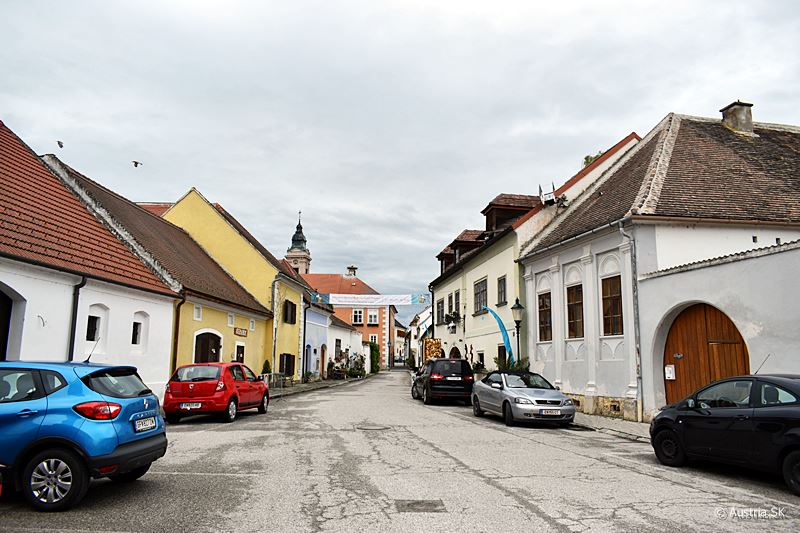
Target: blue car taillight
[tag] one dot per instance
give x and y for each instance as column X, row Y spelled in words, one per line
column 98, row 410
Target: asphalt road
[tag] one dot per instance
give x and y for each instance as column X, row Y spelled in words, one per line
column 366, row 457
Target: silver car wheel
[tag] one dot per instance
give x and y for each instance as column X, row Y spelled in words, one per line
column 231, row 410
column 51, row 481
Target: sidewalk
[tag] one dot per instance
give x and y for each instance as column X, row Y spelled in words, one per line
column 314, row 385
column 615, row 426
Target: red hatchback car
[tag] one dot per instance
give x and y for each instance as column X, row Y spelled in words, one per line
column 223, row 388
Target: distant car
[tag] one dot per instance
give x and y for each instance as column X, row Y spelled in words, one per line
column 751, row 421
column 218, row 388
column 443, row 378
column 521, row 396
column 64, row 423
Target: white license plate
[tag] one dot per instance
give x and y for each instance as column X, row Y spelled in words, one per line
column 550, row 412
column 143, row 424
column 190, row 405
column 453, row 378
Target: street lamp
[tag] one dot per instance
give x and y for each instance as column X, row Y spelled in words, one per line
column 517, row 311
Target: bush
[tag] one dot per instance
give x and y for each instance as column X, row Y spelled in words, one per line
column 267, row 368
column 374, row 358
column 356, row 372
column 519, row 365
column 307, row 377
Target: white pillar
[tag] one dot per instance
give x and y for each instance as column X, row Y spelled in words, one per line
column 558, row 317
column 591, row 333
column 627, row 282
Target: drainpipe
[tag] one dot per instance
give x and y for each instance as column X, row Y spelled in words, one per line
column 274, row 323
column 76, row 293
column 176, row 332
column 433, row 314
column 636, row 330
column 304, row 359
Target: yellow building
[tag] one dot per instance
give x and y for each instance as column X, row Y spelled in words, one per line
column 271, row 281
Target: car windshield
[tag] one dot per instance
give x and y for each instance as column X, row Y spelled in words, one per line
column 197, row 373
column 527, row 381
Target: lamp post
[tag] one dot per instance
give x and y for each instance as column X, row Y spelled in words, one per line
column 517, row 311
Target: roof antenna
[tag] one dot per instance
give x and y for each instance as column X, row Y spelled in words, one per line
column 762, row 364
column 90, row 353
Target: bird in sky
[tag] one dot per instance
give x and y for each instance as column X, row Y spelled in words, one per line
column 60, row 144
column 136, row 163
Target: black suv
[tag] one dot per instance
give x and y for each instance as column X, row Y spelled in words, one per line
column 443, row 378
column 752, row 421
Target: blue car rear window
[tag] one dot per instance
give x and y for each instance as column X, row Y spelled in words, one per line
column 118, row 383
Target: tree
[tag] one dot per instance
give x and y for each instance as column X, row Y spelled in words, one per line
column 589, row 159
column 374, row 358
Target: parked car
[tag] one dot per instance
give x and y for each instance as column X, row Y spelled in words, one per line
column 218, row 388
column 751, row 421
column 443, row 378
column 64, row 423
column 521, row 396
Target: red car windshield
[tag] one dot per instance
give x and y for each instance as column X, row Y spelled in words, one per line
column 197, row 373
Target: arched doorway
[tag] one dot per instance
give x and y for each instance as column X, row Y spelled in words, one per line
column 6, row 303
column 455, row 353
column 323, row 369
column 207, row 348
column 703, row 345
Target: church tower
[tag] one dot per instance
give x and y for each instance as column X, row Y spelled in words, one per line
column 298, row 255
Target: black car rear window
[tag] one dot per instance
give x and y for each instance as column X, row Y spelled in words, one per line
column 117, row 382
column 197, row 373
column 452, row 368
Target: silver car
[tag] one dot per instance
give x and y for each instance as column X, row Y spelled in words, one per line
column 521, row 396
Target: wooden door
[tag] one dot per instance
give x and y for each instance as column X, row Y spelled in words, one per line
column 207, row 348
column 703, row 345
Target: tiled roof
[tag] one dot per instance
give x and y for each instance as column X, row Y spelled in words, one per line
column 42, row 221
column 692, row 167
column 171, row 247
column 339, row 323
column 513, row 200
column 469, row 235
column 337, row 284
column 280, row 264
column 157, row 208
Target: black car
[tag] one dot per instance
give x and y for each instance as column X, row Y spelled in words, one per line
column 752, row 421
column 443, row 378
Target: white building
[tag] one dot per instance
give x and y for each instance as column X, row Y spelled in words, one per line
column 68, row 287
column 479, row 268
column 419, row 329
column 611, row 276
column 317, row 320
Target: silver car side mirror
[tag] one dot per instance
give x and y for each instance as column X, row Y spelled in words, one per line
column 497, row 385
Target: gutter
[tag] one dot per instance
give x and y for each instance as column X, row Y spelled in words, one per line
column 175, row 331
column 636, row 328
column 303, row 358
column 76, row 294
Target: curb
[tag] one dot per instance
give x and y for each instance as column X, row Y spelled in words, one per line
column 341, row 383
column 615, row 433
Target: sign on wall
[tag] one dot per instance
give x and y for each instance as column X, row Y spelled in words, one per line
column 240, row 332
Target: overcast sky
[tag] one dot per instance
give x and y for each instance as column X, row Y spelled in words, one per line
column 389, row 124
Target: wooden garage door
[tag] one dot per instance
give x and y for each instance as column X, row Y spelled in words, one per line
column 711, row 348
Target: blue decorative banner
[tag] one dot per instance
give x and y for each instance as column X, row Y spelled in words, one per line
column 505, row 335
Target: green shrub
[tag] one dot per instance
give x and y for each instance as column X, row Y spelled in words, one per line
column 374, row 358
column 519, row 365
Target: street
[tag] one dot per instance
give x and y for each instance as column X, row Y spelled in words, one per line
column 366, row 457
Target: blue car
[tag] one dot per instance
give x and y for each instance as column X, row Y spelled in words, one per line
column 64, row 423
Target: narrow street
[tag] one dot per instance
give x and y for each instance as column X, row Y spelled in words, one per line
column 366, row 457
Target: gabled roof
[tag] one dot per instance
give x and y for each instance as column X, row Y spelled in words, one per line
column 43, row 222
column 170, row 246
column 337, row 284
column 157, row 208
column 693, row 167
column 516, row 201
column 339, row 323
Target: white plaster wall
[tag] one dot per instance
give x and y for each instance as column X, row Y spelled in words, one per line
column 759, row 295
column 316, row 335
column 687, row 243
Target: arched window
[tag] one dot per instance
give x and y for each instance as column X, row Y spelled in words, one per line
column 140, row 332
column 96, row 329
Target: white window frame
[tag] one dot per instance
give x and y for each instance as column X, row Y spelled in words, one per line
column 360, row 314
column 198, row 312
column 252, row 325
column 231, row 320
column 370, row 315
column 373, row 338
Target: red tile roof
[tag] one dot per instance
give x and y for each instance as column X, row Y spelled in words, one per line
column 339, row 323
column 512, row 200
column 42, row 221
column 157, row 208
column 337, row 284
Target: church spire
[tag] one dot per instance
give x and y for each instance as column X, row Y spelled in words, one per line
column 298, row 239
column 298, row 255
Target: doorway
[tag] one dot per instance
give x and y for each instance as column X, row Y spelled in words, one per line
column 207, row 348
column 455, row 353
column 703, row 345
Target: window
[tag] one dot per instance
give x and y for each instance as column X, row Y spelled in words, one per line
column 338, row 349
column 358, row 316
column 93, row 328
column 501, row 355
column 230, row 320
column 457, row 304
column 116, row 382
column 136, row 334
column 727, row 394
column 575, row 312
column 373, row 339
column 612, row 306
column 777, row 240
column 252, row 325
column 289, row 312
column 773, row 395
column 545, row 317
column 372, row 317
column 440, row 312
column 53, row 381
column 494, row 377
column 198, row 312
column 450, row 303
column 480, row 296
column 501, row 291
column 249, row 374
column 480, row 358
column 238, row 375
column 18, row 385
column 286, row 364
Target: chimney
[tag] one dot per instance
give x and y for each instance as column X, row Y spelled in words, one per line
column 738, row 117
column 351, row 271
